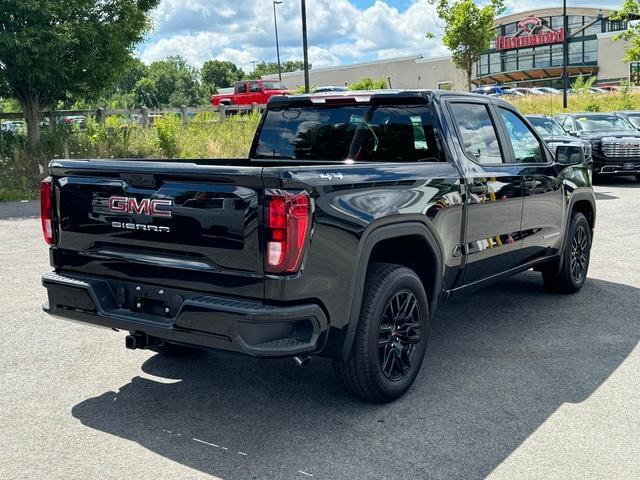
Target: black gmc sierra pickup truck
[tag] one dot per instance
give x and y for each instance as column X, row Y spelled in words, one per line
column 355, row 214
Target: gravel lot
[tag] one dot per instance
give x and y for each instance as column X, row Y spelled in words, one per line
column 517, row 383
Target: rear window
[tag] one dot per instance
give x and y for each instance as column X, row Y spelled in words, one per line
column 350, row 132
column 273, row 86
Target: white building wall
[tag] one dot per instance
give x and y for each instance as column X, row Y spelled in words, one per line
column 610, row 54
column 405, row 72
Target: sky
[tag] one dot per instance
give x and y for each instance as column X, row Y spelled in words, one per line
column 340, row 32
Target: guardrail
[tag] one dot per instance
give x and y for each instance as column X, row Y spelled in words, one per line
column 144, row 115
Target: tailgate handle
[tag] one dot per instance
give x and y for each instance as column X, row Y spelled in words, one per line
column 140, row 180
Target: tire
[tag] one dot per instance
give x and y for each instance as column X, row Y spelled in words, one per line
column 638, row 177
column 575, row 259
column 398, row 346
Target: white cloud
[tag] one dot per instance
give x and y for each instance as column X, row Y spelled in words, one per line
column 339, row 32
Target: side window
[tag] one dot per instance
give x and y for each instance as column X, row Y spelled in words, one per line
column 242, row 88
column 254, row 87
column 477, row 132
column 526, row 147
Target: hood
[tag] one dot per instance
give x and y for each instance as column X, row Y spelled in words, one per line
column 599, row 135
column 560, row 139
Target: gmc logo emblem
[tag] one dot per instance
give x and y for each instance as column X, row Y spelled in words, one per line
column 146, row 206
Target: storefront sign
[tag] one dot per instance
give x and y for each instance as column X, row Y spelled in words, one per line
column 530, row 34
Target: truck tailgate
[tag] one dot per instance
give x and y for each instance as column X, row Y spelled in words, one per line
column 190, row 225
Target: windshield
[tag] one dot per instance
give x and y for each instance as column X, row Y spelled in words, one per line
column 349, row 132
column 273, row 86
column 634, row 118
column 546, row 126
column 602, row 122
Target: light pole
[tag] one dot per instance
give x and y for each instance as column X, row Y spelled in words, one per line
column 565, row 54
column 304, row 46
column 275, row 23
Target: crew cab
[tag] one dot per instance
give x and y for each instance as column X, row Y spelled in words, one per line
column 354, row 216
column 250, row 92
column 615, row 142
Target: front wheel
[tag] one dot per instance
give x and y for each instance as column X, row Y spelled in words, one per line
column 575, row 259
column 637, row 177
column 391, row 336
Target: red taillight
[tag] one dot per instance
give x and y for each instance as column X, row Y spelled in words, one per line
column 287, row 227
column 46, row 210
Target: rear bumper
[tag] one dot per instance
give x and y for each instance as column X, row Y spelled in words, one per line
column 173, row 315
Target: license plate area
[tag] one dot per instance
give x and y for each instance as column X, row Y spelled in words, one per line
column 150, row 306
column 629, row 166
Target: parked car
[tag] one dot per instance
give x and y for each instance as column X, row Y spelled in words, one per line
column 632, row 116
column 352, row 219
column 493, row 90
column 13, row 126
column 74, row 120
column 554, row 135
column 250, row 92
column 545, row 91
column 330, row 88
column 513, row 93
column 526, row 90
column 615, row 142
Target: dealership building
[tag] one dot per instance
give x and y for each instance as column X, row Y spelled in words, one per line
column 527, row 51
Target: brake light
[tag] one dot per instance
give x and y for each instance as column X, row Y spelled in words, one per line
column 46, row 210
column 287, row 228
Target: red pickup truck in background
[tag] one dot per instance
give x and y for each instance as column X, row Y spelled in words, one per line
column 250, row 91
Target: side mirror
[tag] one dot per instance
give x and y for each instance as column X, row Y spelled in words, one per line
column 569, row 154
column 574, row 133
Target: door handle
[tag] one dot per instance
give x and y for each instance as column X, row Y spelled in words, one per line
column 479, row 188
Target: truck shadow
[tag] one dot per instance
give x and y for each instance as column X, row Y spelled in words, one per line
column 500, row 362
column 627, row 181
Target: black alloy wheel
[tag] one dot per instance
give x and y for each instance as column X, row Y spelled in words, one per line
column 391, row 335
column 398, row 335
column 569, row 274
column 579, row 253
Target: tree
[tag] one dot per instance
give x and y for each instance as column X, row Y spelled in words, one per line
column 367, row 83
column 216, row 74
column 468, row 30
column 169, row 82
column 630, row 8
column 271, row 68
column 53, row 49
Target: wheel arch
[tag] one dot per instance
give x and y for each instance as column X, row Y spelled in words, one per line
column 394, row 243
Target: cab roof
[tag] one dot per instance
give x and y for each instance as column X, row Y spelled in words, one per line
column 372, row 97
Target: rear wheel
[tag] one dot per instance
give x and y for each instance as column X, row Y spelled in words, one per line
column 391, row 337
column 575, row 261
column 637, row 177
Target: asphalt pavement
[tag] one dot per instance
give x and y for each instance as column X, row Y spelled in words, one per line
column 516, row 384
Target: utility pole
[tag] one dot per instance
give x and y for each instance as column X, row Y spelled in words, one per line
column 565, row 54
column 304, row 46
column 275, row 22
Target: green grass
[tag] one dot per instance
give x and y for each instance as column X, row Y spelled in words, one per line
column 204, row 137
column 580, row 102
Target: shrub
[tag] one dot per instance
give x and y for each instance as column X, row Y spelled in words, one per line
column 169, row 129
column 367, row 83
